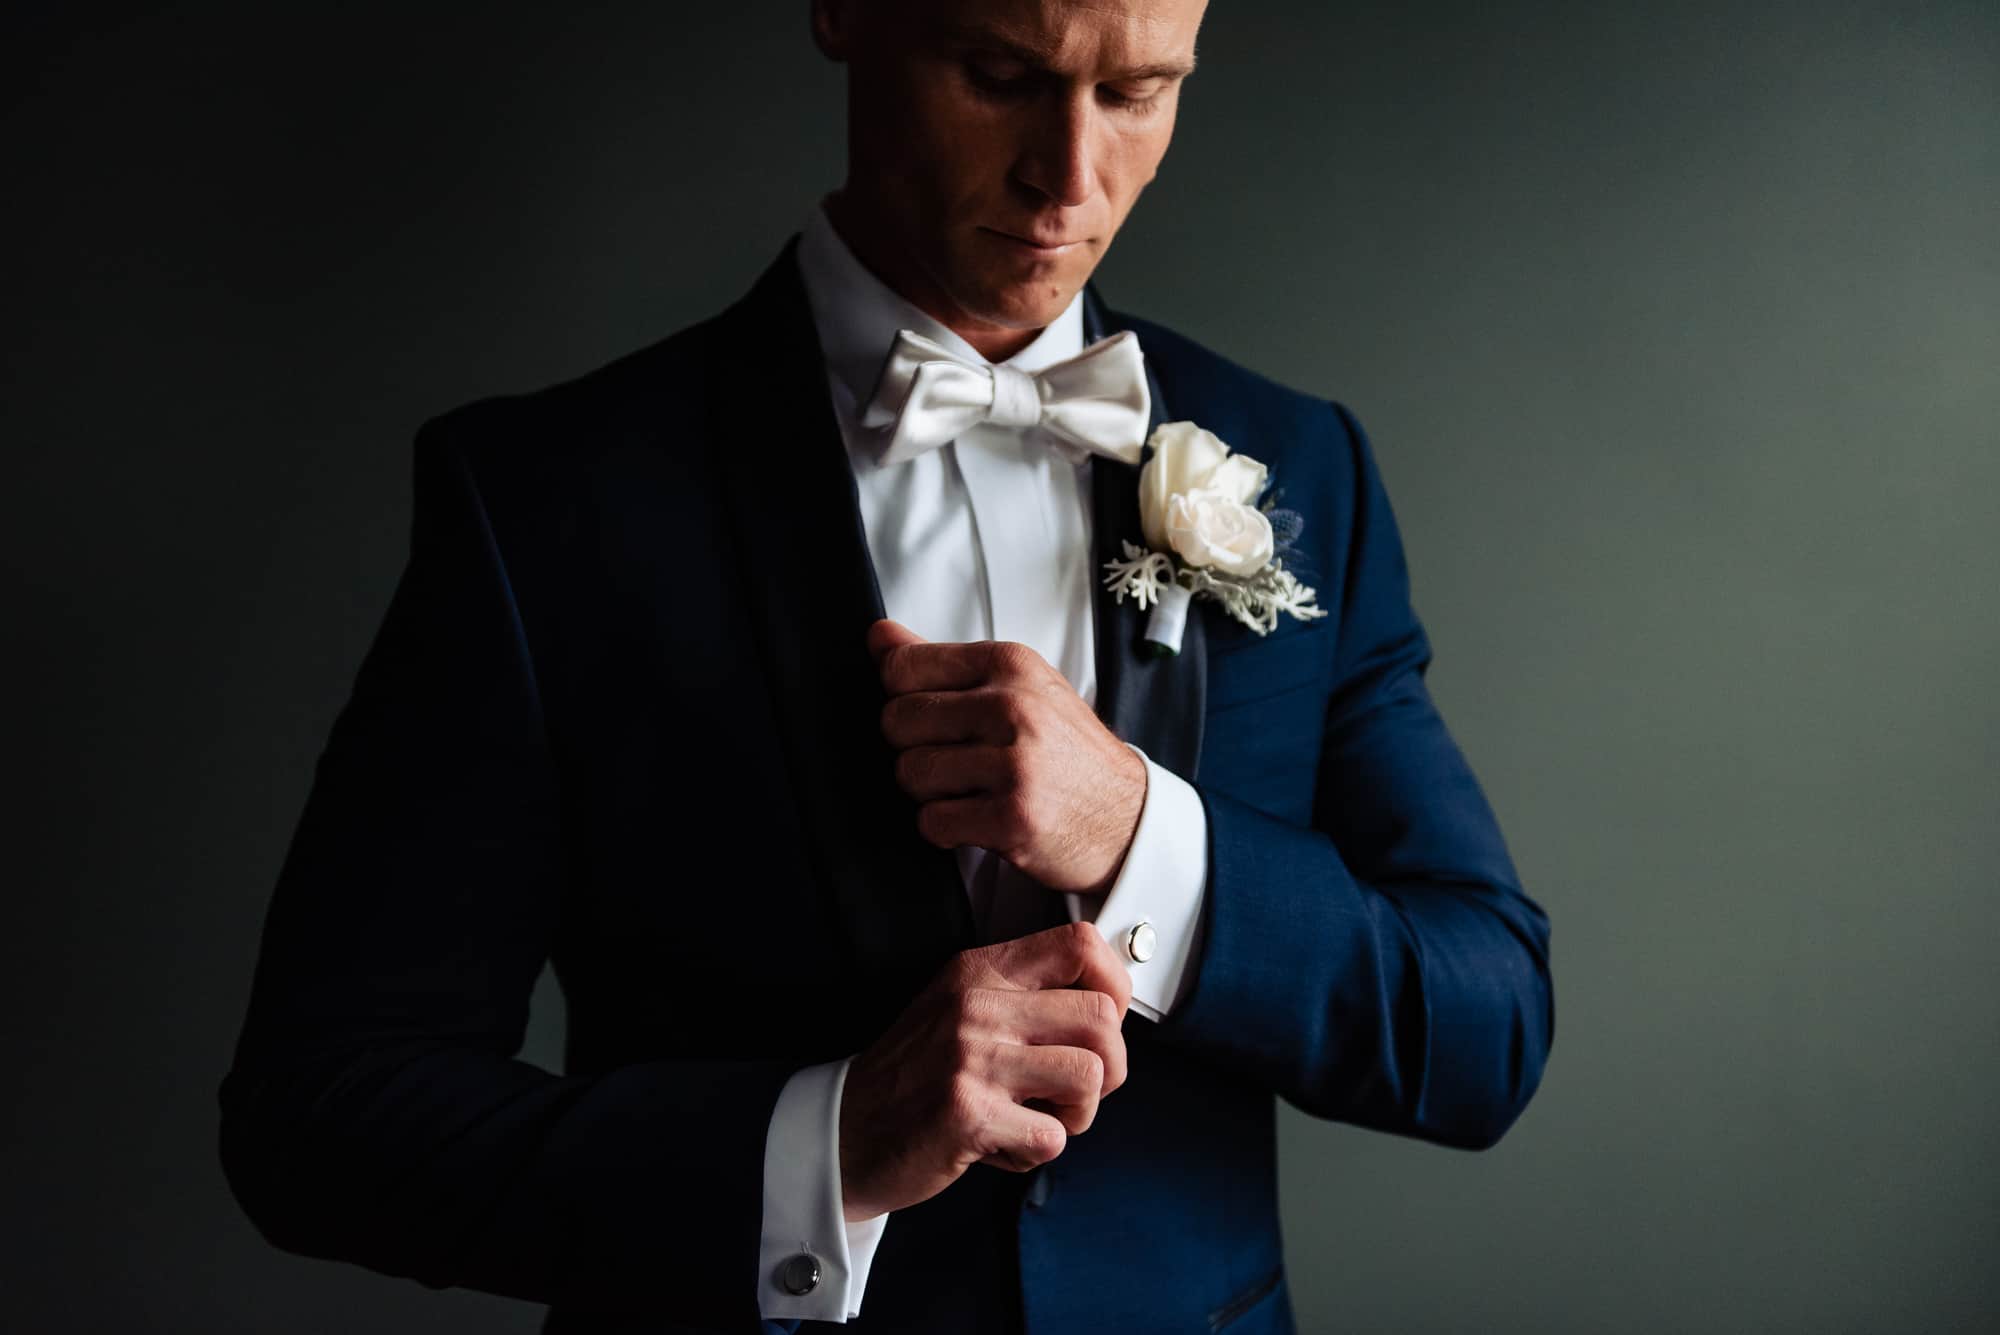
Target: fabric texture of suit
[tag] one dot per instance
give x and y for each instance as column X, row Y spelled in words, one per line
column 620, row 716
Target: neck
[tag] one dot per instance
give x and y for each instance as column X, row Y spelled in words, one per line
column 879, row 253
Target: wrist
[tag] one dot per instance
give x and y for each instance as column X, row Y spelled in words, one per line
column 857, row 1202
column 1126, row 814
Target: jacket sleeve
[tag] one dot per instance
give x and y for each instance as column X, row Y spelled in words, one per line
column 374, row 1111
column 1383, row 966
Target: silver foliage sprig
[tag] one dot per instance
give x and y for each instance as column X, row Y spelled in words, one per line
column 1142, row 574
column 1255, row 600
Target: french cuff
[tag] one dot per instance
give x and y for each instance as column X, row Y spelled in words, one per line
column 1152, row 913
column 811, row 1263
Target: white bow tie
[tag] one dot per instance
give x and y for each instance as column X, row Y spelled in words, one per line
column 1093, row 403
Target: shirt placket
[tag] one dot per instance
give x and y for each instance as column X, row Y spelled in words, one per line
column 1006, row 481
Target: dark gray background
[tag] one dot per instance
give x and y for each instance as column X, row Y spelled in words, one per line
column 1676, row 328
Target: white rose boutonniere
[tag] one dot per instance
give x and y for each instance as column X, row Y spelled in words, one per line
column 1205, row 535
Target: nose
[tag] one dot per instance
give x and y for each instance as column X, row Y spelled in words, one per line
column 1057, row 158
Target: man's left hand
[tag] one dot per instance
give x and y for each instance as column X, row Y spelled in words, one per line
column 1002, row 753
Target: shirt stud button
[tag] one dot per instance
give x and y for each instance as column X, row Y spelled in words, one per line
column 799, row 1274
column 1141, row 941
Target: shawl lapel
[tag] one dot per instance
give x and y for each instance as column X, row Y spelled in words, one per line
column 812, row 593
column 1156, row 704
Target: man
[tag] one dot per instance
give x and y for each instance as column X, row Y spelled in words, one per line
column 799, row 732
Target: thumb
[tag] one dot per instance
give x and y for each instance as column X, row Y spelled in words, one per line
column 886, row 634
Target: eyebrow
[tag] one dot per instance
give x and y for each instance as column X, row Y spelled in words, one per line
column 1165, row 69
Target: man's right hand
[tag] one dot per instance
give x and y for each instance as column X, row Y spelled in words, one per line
column 999, row 1061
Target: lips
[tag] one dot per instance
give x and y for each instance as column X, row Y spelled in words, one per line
column 1038, row 242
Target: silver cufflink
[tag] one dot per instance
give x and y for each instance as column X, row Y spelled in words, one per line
column 1140, row 942
column 799, row 1274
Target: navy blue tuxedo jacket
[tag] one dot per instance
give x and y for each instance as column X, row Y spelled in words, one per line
column 620, row 716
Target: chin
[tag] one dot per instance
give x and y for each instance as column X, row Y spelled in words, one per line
column 1025, row 305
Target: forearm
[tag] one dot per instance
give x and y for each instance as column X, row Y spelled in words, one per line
column 374, row 1112
column 1378, row 962
column 455, row 1166
column 1417, row 1006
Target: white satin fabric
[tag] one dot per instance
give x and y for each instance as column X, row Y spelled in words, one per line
column 1096, row 402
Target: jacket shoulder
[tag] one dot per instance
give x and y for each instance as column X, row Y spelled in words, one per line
column 542, row 460
column 1180, row 357
column 585, row 411
column 1295, row 432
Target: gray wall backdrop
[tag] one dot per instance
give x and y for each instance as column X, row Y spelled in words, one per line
column 1676, row 327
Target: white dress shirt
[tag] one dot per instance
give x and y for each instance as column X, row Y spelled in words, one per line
column 986, row 537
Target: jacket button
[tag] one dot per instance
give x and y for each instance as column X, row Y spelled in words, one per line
column 799, row 1274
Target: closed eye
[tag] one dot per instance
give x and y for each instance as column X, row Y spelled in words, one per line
column 1003, row 77
column 999, row 78
column 1131, row 102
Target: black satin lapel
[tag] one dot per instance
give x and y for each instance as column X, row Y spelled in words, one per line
column 813, row 590
column 1157, row 704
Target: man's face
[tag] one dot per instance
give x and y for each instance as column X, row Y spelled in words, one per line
column 996, row 146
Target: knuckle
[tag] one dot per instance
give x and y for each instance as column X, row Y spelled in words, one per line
column 964, row 1052
column 1016, row 710
column 966, row 1006
column 976, row 1007
column 960, row 974
column 1017, row 815
column 964, row 1103
column 1117, row 1063
column 1020, row 659
column 1102, row 1009
column 1088, row 1070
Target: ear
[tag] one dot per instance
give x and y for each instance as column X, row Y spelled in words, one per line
column 833, row 24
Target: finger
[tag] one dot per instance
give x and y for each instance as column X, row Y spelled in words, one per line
column 956, row 667
column 1065, row 1017
column 921, row 718
column 929, row 772
column 1064, row 1082
column 885, row 634
column 1072, row 955
column 997, row 821
column 1019, row 1139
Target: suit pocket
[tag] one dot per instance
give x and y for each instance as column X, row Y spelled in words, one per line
column 1241, row 1304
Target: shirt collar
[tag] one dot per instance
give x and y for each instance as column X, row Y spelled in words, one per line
column 857, row 315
